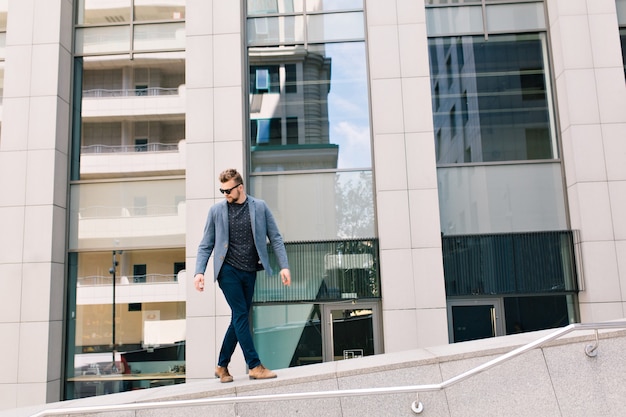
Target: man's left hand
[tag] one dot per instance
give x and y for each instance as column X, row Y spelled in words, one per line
column 285, row 276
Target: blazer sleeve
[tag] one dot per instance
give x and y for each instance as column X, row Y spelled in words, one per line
column 205, row 248
column 275, row 238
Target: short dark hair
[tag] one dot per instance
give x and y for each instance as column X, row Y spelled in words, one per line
column 229, row 174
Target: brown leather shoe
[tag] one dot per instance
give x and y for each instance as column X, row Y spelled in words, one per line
column 261, row 372
column 221, row 372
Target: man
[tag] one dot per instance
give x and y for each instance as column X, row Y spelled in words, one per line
column 237, row 228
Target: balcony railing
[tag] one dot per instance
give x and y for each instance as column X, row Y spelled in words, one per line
column 148, row 147
column 138, row 92
column 104, row 280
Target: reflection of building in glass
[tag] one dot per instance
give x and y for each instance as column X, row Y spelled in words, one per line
column 289, row 126
column 490, row 99
column 128, row 199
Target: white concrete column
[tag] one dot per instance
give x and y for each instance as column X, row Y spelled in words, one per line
column 214, row 130
column 33, row 199
column 591, row 98
column 414, row 301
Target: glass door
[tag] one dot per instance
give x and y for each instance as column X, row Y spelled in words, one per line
column 352, row 330
column 475, row 319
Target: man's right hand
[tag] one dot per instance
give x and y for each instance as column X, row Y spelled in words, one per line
column 198, row 282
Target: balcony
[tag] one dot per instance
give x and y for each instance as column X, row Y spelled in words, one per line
column 103, row 104
column 124, row 160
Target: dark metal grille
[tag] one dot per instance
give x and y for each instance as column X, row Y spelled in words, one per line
column 324, row 270
column 516, row 263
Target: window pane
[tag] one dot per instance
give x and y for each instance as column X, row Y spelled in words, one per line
column 159, row 10
column 3, row 45
column 288, row 335
column 148, row 332
column 491, row 99
column 122, row 108
column 320, row 122
column 97, row 12
column 159, row 36
column 454, row 20
column 335, row 27
column 334, row 204
column 621, row 12
column 514, row 17
column 4, row 9
column 101, row 40
column 260, row 7
column 319, row 5
column 275, row 30
column 501, row 199
column 442, row 2
column 108, row 215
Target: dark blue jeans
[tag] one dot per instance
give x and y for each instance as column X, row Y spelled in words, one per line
column 238, row 288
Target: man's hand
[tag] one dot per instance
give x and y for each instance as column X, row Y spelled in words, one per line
column 198, row 282
column 285, row 276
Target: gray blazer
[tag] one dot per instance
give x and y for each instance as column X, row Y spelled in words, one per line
column 216, row 237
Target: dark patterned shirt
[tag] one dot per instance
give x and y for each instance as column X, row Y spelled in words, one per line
column 241, row 253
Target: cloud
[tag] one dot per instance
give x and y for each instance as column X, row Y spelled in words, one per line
column 354, row 145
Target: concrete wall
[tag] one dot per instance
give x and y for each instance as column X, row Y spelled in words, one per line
column 557, row 380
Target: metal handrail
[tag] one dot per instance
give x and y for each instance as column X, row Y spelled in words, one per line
column 417, row 407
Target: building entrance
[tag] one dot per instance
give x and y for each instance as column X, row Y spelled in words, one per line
column 350, row 331
column 475, row 319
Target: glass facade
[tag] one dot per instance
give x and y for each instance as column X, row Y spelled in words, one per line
column 127, row 219
column 310, row 158
column 500, row 181
column 492, row 99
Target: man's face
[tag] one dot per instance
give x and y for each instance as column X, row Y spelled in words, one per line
column 232, row 190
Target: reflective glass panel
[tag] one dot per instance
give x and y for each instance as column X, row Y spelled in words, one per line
column 335, row 27
column 454, row 20
column 621, row 11
column 260, row 7
column 98, row 12
column 501, row 199
column 446, row 2
column 137, row 214
column 492, row 100
column 334, row 204
column 288, row 335
column 100, row 40
column 123, row 130
column 159, row 10
column 129, row 321
column 514, row 17
column 325, row 5
column 304, row 118
column 4, row 9
column 275, row 30
column 159, row 36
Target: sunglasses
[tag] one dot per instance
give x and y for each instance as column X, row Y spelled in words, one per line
column 230, row 189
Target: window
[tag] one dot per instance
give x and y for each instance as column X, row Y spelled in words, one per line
column 502, row 93
column 291, row 78
column 262, row 79
column 266, row 132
